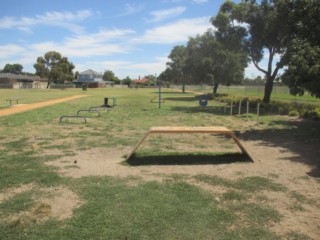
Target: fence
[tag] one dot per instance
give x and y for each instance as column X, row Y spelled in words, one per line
column 38, row 85
column 278, row 92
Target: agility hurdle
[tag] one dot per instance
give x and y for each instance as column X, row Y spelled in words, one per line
column 174, row 130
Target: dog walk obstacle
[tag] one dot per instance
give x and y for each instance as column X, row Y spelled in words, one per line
column 204, row 130
column 79, row 116
column 90, row 110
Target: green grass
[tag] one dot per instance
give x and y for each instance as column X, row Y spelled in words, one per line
column 131, row 207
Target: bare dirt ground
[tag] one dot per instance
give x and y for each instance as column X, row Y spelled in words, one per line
column 269, row 161
column 26, row 107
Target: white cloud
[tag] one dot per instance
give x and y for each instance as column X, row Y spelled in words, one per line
column 155, row 67
column 60, row 19
column 167, row 13
column 10, row 50
column 131, row 9
column 176, row 32
column 199, row 1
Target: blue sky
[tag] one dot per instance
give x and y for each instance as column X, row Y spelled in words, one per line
column 131, row 38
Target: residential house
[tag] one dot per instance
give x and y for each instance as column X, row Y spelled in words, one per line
column 90, row 77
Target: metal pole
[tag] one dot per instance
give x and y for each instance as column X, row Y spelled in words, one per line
column 231, row 107
column 247, row 110
column 258, row 110
column 159, row 94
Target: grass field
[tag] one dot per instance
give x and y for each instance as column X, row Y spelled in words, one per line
column 71, row 180
column 278, row 92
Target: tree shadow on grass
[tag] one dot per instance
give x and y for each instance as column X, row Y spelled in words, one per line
column 216, row 110
column 173, row 92
column 182, row 99
column 187, row 159
column 302, row 137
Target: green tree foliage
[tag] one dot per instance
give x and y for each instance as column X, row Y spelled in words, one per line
column 214, row 63
column 13, row 68
column 260, row 28
column 127, row 81
column 205, row 60
column 108, row 75
column 283, row 29
column 55, row 67
column 303, row 53
column 177, row 65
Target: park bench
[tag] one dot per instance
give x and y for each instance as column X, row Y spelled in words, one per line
column 13, row 100
column 175, row 130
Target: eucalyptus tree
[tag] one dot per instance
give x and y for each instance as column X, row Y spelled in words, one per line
column 261, row 27
column 54, row 67
column 177, row 65
column 214, row 63
column 13, row 68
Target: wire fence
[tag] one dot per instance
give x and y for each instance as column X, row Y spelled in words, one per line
column 278, row 92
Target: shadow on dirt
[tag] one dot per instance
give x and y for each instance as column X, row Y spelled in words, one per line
column 188, row 159
column 301, row 137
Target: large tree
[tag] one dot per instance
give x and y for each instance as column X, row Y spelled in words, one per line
column 55, row 67
column 264, row 32
column 214, row 63
column 303, row 53
column 177, row 65
column 108, row 75
column 13, row 68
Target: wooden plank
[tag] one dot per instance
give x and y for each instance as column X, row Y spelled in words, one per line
column 189, row 130
column 185, row 129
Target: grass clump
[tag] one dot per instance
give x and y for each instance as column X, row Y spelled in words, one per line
column 248, row 184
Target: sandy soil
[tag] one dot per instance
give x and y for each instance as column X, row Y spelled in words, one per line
column 26, row 107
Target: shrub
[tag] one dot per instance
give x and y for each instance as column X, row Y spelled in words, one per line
column 84, row 86
column 293, row 113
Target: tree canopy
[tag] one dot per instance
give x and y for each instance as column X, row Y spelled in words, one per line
column 13, row 68
column 55, row 67
column 279, row 30
column 108, row 75
column 303, row 54
column 205, row 60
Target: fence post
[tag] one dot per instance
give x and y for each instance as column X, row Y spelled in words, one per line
column 247, row 110
column 239, row 112
column 231, row 107
column 225, row 106
column 258, row 111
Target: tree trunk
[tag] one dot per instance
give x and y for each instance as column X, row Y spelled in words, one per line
column 183, row 87
column 268, row 89
column 215, row 87
column 48, row 84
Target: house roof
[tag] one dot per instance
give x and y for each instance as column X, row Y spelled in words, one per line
column 90, row 72
column 143, row 80
column 17, row 77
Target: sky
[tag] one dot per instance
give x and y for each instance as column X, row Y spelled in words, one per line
column 130, row 38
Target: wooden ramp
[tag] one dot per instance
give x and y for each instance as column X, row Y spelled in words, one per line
column 173, row 130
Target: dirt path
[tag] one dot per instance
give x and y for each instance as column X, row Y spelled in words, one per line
column 26, row 107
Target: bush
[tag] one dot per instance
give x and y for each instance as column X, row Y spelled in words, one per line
column 84, row 87
column 293, row 113
column 315, row 114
